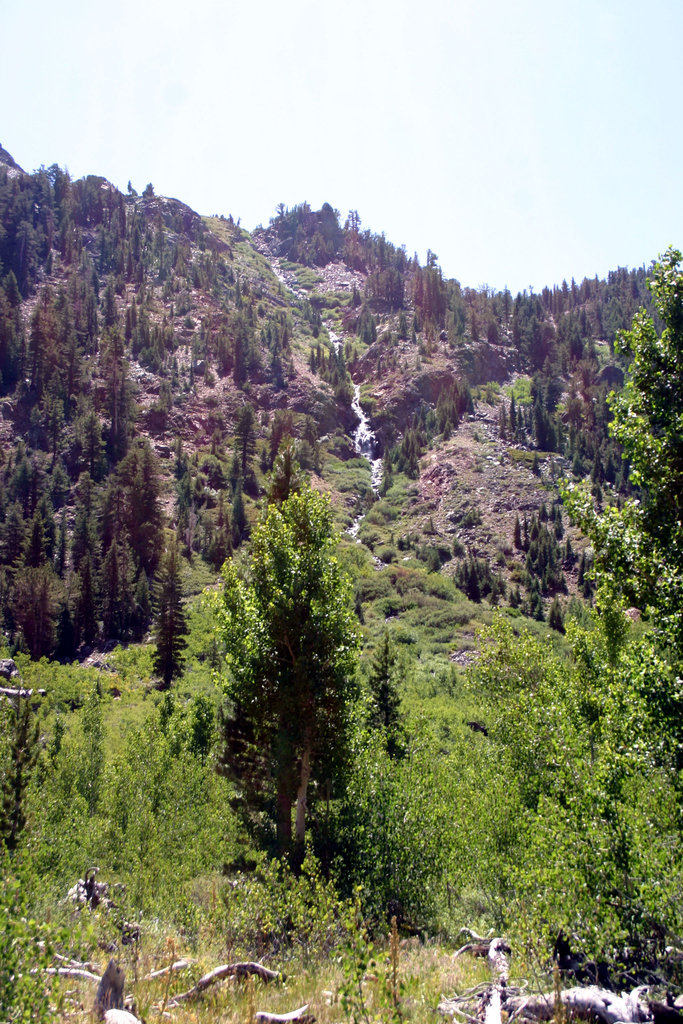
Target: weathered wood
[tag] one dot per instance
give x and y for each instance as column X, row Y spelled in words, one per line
column 475, row 948
column 179, row 965
column 300, row 1016
column 70, row 972
column 590, row 1002
column 498, row 961
column 120, row 1017
column 239, row 970
column 12, row 692
column 85, row 965
column 110, row 990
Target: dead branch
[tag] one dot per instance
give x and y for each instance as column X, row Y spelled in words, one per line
column 179, row 965
column 300, row 1016
column 474, row 937
column 85, row 965
column 475, row 948
column 69, row 972
column 241, row 970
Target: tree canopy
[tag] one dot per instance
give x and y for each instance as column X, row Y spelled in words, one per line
column 639, row 546
column 286, row 619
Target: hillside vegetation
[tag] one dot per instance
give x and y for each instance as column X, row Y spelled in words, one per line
column 280, row 706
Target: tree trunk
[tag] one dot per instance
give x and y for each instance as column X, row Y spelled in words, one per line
column 284, row 817
column 302, row 794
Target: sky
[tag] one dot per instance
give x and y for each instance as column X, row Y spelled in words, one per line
column 522, row 141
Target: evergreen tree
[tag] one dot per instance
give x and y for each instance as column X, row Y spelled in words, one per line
column 22, row 754
column 555, row 617
column 384, row 714
column 116, row 594
column 142, row 607
column 286, row 477
column 238, row 516
column 86, row 605
column 517, row 533
column 36, row 606
column 171, row 623
column 245, row 438
column 288, row 626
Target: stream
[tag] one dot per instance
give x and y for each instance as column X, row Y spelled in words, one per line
column 364, row 442
column 364, row 438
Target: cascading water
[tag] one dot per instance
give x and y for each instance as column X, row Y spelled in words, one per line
column 365, row 443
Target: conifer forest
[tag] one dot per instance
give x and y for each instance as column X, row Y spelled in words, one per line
column 341, row 616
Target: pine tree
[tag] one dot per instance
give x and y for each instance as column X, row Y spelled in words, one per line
column 555, row 617
column 142, row 607
column 287, row 622
column 116, row 589
column 23, row 753
column 517, row 533
column 386, row 702
column 171, row 623
column 238, row 517
column 245, row 437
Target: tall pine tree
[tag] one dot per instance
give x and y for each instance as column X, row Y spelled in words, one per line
column 171, row 623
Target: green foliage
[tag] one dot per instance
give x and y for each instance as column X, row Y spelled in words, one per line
column 579, row 748
column 384, row 712
column 171, row 624
column 25, row 950
column 395, row 828
column 287, row 624
column 19, row 733
column 274, row 909
column 152, row 813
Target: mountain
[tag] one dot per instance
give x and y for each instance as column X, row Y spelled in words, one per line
column 154, row 361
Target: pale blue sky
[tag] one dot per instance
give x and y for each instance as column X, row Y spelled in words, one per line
column 523, row 142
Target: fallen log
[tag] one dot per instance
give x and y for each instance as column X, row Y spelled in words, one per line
column 591, row 1002
column 85, row 965
column 498, row 953
column 240, row 970
column 13, row 692
column 498, row 962
column 68, row 972
column 299, row 1016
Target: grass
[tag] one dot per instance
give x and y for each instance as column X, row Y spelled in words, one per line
column 353, row 982
column 306, row 278
column 521, row 389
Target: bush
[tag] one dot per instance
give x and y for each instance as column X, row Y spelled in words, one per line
column 25, row 949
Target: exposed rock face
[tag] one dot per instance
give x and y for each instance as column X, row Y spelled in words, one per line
column 8, row 669
column 9, row 161
column 483, row 362
column 176, row 216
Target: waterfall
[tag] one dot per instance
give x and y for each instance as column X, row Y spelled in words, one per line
column 365, row 443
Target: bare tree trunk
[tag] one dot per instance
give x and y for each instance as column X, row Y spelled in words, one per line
column 301, row 795
column 284, row 817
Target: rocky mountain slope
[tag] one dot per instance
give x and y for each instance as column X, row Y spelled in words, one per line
column 154, row 361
